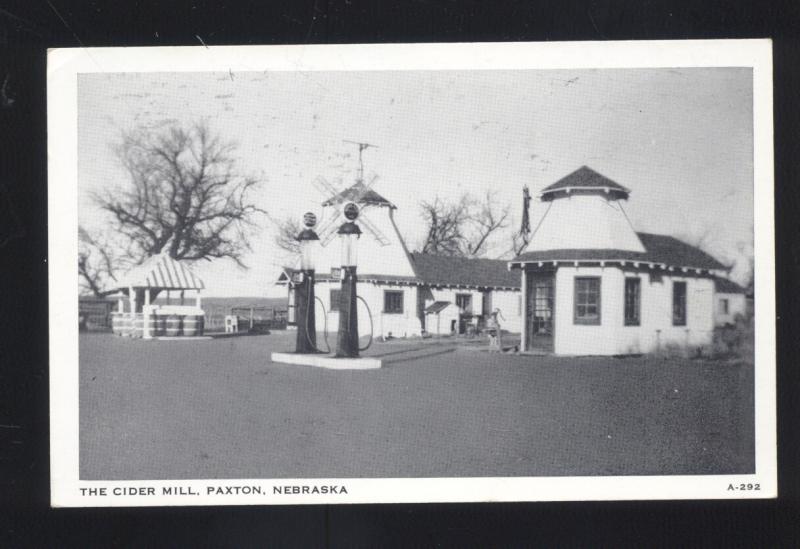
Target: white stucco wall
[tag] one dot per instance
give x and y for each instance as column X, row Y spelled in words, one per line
column 612, row 337
column 737, row 305
column 510, row 305
column 407, row 323
column 399, row 324
column 449, row 294
column 593, row 222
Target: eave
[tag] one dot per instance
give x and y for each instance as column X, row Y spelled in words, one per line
column 638, row 264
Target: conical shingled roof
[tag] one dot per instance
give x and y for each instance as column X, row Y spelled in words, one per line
column 370, row 197
column 584, row 211
column 584, row 178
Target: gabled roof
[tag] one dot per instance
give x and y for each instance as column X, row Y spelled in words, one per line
column 441, row 270
column 438, row 270
column 161, row 271
column 370, row 197
column 585, row 178
column 667, row 249
column 727, row 286
column 659, row 248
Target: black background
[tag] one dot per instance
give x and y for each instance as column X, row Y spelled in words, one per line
column 27, row 29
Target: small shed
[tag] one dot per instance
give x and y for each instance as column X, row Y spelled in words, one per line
column 730, row 301
column 143, row 283
column 437, row 309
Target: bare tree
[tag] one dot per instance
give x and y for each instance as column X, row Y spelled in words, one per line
column 445, row 223
column 183, row 195
column 101, row 259
column 464, row 227
column 517, row 242
column 96, row 263
column 286, row 235
column 486, row 219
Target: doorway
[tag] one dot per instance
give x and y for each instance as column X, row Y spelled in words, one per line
column 540, row 311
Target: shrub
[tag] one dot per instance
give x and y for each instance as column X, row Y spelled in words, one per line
column 730, row 342
column 735, row 341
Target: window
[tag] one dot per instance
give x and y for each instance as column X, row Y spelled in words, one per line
column 633, row 297
column 464, row 302
column 336, row 294
column 392, row 301
column 587, row 300
column 724, row 306
column 679, row 303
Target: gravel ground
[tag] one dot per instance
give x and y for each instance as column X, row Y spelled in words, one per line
column 221, row 409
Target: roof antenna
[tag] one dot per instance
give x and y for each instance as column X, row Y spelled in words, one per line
column 361, row 148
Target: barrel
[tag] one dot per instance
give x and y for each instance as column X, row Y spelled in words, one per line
column 173, row 326
column 124, row 324
column 152, row 325
column 138, row 325
column 192, row 324
column 161, row 325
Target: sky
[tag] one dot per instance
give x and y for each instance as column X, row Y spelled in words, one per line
column 680, row 139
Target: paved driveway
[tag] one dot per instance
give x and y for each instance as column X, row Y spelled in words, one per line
column 221, row 409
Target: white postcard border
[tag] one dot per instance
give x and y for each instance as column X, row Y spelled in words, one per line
column 64, row 65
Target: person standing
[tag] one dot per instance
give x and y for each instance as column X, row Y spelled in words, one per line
column 495, row 332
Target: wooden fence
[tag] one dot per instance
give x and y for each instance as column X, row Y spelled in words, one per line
column 255, row 318
column 95, row 314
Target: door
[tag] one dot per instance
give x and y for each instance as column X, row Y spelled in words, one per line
column 464, row 304
column 539, row 311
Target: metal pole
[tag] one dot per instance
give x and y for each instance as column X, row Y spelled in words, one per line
column 305, row 320
column 306, row 341
column 349, row 232
column 347, row 344
column 523, row 344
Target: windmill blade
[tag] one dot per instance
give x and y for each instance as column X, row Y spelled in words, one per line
column 325, row 188
column 326, row 237
column 379, row 236
column 328, row 230
column 330, row 222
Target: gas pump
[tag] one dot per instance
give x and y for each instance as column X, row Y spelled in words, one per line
column 349, row 233
column 304, row 288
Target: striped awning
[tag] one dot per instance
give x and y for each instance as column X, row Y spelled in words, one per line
column 161, row 271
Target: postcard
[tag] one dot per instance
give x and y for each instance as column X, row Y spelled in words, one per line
column 411, row 273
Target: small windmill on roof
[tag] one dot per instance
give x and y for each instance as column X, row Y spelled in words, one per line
column 359, row 193
column 346, row 222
